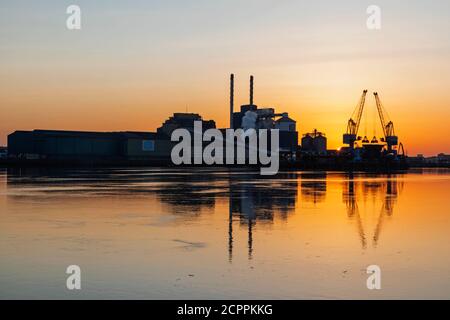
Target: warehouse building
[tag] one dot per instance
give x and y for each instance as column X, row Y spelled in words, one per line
column 3, row 152
column 59, row 145
column 83, row 147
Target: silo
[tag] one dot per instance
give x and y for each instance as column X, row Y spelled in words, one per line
column 307, row 142
column 320, row 143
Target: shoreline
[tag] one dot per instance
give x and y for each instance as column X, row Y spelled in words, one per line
column 344, row 167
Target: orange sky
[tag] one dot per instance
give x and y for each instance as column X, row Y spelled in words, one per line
column 132, row 66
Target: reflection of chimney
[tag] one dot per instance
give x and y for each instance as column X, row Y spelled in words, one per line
column 230, row 224
column 231, row 99
column 251, row 90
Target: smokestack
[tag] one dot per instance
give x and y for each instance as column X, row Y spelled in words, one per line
column 251, row 90
column 231, row 99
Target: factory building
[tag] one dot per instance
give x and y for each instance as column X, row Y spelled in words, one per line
column 59, row 145
column 315, row 143
column 252, row 117
column 3, row 152
column 82, row 147
column 185, row 121
column 144, row 146
column 288, row 133
column 85, row 147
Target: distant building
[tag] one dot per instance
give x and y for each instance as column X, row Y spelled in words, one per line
column 3, row 152
column 100, row 147
column 416, row 161
column 57, row 144
column 440, row 159
column 443, row 158
column 314, row 142
column 83, row 146
column 252, row 117
column 266, row 118
column 183, row 120
column 307, row 143
column 285, row 123
column 288, row 133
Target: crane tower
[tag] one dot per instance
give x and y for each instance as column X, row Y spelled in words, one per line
column 353, row 123
column 388, row 126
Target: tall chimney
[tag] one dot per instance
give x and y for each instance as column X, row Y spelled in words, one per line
column 251, row 90
column 231, row 100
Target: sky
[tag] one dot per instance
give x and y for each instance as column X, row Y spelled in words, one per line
column 134, row 63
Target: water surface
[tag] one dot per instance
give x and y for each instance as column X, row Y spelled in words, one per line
column 170, row 234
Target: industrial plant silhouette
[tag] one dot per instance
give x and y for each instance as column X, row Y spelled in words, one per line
column 55, row 147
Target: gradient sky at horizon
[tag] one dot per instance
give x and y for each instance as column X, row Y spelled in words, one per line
column 134, row 63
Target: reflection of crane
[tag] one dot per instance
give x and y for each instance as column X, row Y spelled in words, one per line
column 388, row 128
column 353, row 123
column 390, row 195
column 353, row 211
column 393, row 188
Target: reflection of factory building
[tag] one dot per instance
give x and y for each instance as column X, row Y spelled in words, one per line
column 255, row 202
column 258, row 202
column 313, row 187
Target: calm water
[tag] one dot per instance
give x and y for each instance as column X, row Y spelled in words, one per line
column 170, row 234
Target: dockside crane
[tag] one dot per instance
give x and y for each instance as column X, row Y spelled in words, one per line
column 353, row 123
column 388, row 127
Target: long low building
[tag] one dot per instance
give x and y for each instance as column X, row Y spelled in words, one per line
column 48, row 147
column 82, row 146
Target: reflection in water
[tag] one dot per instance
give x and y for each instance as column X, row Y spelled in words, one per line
column 314, row 186
column 348, row 193
column 251, row 198
column 392, row 188
column 215, row 233
column 251, row 202
column 388, row 189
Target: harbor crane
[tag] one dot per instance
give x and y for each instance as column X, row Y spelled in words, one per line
column 353, row 123
column 388, row 126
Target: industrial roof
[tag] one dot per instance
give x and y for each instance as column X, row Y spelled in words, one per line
column 92, row 134
column 285, row 119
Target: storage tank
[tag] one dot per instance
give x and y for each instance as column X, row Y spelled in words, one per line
column 307, row 142
column 315, row 142
column 320, row 144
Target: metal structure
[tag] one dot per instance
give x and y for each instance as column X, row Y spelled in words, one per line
column 353, row 123
column 264, row 118
column 251, row 90
column 388, row 126
column 231, row 99
column 401, row 150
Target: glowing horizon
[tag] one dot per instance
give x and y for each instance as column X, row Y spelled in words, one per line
column 133, row 65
